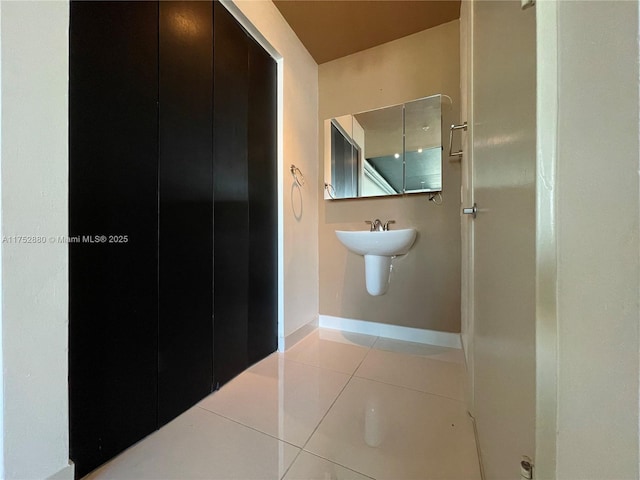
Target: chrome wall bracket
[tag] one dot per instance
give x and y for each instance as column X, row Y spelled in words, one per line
column 451, row 130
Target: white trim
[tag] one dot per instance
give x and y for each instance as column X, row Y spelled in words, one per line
column 546, row 311
column 397, row 332
column 250, row 28
column 280, row 202
column 1, row 290
column 295, row 337
column 67, row 473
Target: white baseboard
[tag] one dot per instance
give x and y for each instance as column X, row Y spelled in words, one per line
column 67, row 473
column 290, row 340
column 397, row 332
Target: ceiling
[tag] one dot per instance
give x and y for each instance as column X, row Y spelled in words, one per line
column 331, row 29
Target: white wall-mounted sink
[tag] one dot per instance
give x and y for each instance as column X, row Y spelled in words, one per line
column 378, row 249
column 388, row 243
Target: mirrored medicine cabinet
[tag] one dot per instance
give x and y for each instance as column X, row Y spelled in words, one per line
column 388, row 151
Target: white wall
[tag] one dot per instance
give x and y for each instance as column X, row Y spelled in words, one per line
column 588, row 266
column 598, row 240
column 299, row 147
column 34, row 38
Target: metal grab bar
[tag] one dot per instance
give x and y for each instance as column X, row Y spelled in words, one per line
column 455, row 127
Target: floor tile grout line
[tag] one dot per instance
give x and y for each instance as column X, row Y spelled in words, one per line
column 294, row 456
column 281, row 355
column 337, row 396
column 349, row 380
column 351, row 469
column 250, row 427
column 308, row 339
column 302, row 449
column 318, row 366
column 409, row 388
column 419, row 355
column 327, row 412
column 423, row 357
column 351, row 377
column 291, row 464
column 447, row 349
column 312, row 366
column 355, row 373
column 297, row 362
column 365, row 357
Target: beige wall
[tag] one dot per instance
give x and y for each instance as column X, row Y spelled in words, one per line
column 598, row 240
column 425, row 284
column 34, row 202
column 299, row 146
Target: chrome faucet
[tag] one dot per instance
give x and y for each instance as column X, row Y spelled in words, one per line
column 377, row 226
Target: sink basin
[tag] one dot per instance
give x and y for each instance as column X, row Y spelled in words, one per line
column 388, row 243
column 378, row 249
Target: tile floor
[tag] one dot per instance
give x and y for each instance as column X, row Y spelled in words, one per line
column 336, row 406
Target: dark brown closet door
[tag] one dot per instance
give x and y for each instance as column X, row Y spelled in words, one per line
column 113, row 142
column 185, row 359
column 231, row 196
column 160, row 147
column 245, row 199
column 263, row 193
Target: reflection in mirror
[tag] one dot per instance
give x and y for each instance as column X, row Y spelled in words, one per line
column 388, row 151
column 345, row 161
column 383, row 170
column 423, row 145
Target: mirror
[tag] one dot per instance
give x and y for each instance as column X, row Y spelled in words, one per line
column 388, row 151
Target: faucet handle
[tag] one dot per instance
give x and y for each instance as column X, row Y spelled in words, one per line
column 369, row 222
column 386, row 225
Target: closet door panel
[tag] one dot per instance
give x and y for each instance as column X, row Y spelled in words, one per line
column 113, row 294
column 185, row 359
column 231, row 196
column 263, row 215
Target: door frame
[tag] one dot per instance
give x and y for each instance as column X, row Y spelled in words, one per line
column 467, row 197
column 546, row 318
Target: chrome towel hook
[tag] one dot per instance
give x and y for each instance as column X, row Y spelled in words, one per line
column 297, row 175
column 330, row 190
